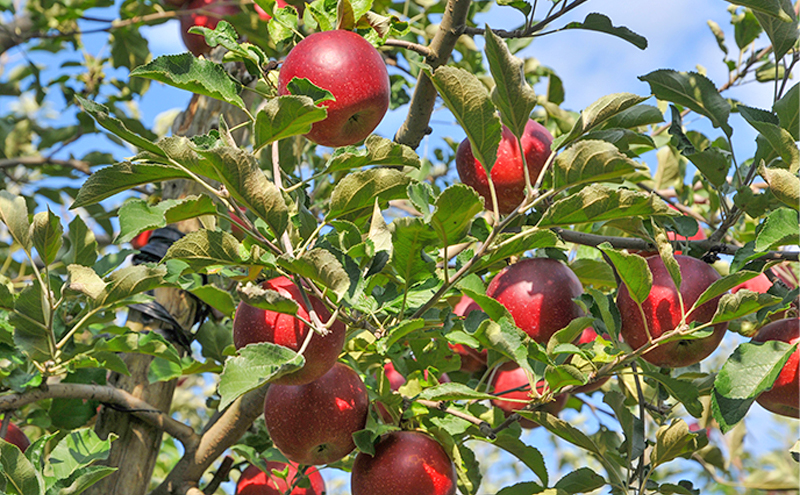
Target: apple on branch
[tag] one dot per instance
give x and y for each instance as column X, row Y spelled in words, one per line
column 254, row 481
column 314, row 423
column 662, row 312
column 784, row 396
column 508, row 175
column 405, row 462
column 510, row 384
column 253, row 325
column 350, row 68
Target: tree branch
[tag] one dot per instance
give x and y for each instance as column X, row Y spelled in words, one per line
column 414, row 47
column 79, row 165
column 111, row 396
column 530, row 30
column 420, row 108
column 18, row 31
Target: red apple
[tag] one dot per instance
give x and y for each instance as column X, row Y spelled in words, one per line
column 314, row 423
column 209, row 13
column 662, row 312
column 538, row 293
column 252, row 325
column 784, row 396
column 15, row 436
column 589, row 335
column 140, row 240
column 348, row 66
column 254, row 481
column 472, row 360
column 509, row 376
column 405, row 462
column 507, row 174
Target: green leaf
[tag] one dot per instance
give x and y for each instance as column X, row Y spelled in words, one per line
column 508, row 245
column 632, row 270
column 598, row 202
column 788, row 111
column 530, row 456
column 453, row 391
column 150, row 344
column 770, row 7
column 204, row 248
column 597, row 113
column 527, row 487
column 582, row 480
column 129, row 281
column 283, row 24
column 215, row 297
column 214, row 338
column 78, row 449
column 18, row 471
column 632, row 426
column 116, row 127
column 780, row 24
column 750, row 370
column 570, row 333
column 378, row 151
column 722, row 286
column 82, row 244
column 685, row 391
column 693, row 91
column 82, row 479
column 30, row 323
column 196, row 75
column 634, row 117
column 286, row 116
column 743, row 303
column 109, row 181
column 593, row 272
column 355, row 195
column 255, row 365
column 600, row 22
column 714, row 164
column 14, row 213
column 467, row 99
column 411, row 237
column 591, row 162
column 397, row 332
column 46, row 232
column 781, row 140
column 267, row 299
column 784, row 184
column 778, row 229
column 321, row 266
column 137, row 216
column 455, row 208
column 672, row 441
column 240, row 173
column 512, row 95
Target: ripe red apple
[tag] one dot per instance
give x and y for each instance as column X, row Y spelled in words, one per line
column 662, row 312
column 509, row 376
column 405, row 462
column 784, row 396
column 472, row 360
column 140, row 240
column 15, row 436
column 538, row 293
column 254, row 481
column 252, row 325
column 314, row 423
column 507, row 174
column 589, row 335
column 348, row 66
column 208, row 14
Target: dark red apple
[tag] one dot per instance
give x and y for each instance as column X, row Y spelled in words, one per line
column 252, row 325
column 140, row 240
column 314, row 423
column 508, row 175
column 208, row 14
column 509, row 376
column 588, row 336
column 784, row 396
column 405, row 463
column 538, row 293
column 472, row 360
column 348, row 66
column 662, row 312
column 254, row 481
column 15, row 436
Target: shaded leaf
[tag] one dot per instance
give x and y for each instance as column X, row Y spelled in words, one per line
column 591, row 161
column 109, row 181
column 600, row 22
column 378, row 151
column 356, row 193
column 255, row 365
column 632, row 270
column 205, row 248
column 286, row 116
column 116, row 127
column 597, row 113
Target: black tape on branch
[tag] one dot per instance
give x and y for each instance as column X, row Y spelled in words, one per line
column 157, row 245
column 172, row 330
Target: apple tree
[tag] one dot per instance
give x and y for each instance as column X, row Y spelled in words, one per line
column 406, row 315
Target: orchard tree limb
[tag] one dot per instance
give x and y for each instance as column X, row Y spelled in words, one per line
column 527, row 31
column 107, row 395
column 223, row 430
column 414, row 47
column 30, row 161
column 420, row 108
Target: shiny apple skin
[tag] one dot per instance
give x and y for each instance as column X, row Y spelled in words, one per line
column 252, row 325
column 510, row 376
column 538, row 293
column 15, row 436
column 405, row 463
column 472, row 360
column 663, row 313
column 784, row 396
column 350, row 68
column 314, row 423
column 196, row 43
column 508, row 175
column 254, row 481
